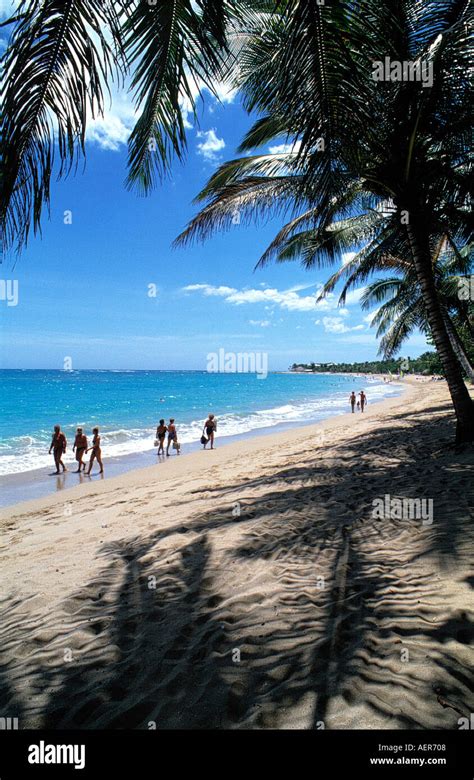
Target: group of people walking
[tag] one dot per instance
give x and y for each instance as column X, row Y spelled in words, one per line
column 172, row 432
column 80, row 447
column 169, row 431
column 361, row 403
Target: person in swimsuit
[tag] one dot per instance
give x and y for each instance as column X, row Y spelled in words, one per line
column 352, row 401
column 80, row 445
column 210, row 427
column 160, row 435
column 363, row 400
column 58, row 445
column 172, row 436
column 96, row 452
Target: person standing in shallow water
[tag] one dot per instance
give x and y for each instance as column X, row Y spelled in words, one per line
column 58, row 445
column 80, row 445
column 363, row 400
column 96, row 452
column 352, row 401
column 160, row 435
column 172, row 436
column 210, row 427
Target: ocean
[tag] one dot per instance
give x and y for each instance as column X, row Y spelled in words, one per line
column 126, row 405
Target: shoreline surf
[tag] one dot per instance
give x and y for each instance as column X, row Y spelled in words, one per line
column 16, row 488
column 126, row 406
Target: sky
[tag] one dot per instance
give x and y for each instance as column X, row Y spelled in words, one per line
column 86, row 286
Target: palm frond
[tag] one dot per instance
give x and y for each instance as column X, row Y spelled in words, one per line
column 55, row 69
column 395, row 335
column 241, row 202
column 176, row 48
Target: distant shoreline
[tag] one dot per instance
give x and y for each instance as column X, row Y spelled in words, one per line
column 394, row 377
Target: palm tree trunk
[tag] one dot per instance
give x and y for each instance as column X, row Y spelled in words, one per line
column 463, row 405
column 458, row 348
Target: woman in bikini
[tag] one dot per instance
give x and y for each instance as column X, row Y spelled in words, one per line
column 172, row 436
column 210, row 427
column 96, row 452
column 58, row 445
column 80, row 445
column 160, row 435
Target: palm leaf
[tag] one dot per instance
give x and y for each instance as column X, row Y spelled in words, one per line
column 176, row 48
column 241, row 202
column 54, row 71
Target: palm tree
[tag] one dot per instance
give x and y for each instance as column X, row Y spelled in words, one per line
column 404, row 311
column 310, row 73
column 401, row 312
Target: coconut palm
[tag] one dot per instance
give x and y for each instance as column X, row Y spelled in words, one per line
column 401, row 314
column 311, row 74
column 400, row 311
column 403, row 310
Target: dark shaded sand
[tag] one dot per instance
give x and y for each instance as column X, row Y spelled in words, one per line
column 338, row 618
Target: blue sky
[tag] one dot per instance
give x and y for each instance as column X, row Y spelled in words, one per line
column 84, row 288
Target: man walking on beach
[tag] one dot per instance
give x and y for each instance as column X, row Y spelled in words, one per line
column 58, row 445
column 352, row 401
column 80, row 445
column 363, row 400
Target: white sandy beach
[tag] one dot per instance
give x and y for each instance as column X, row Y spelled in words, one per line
column 250, row 587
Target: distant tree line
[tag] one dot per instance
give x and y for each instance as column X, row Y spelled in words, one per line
column 427, row 363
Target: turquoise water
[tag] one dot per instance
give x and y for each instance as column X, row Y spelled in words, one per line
column 126, row 405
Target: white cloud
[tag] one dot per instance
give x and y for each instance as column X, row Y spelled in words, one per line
column 211, row 145
column 299, row 287
column 109, row 133
column 260, row 323
column 369, row 317
column 112, row 130
column 337, row 325
column 285, row 148
column 224, row 92
column 289, row 300
column 208, row 289
column 354, row 296
column 286, row 299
